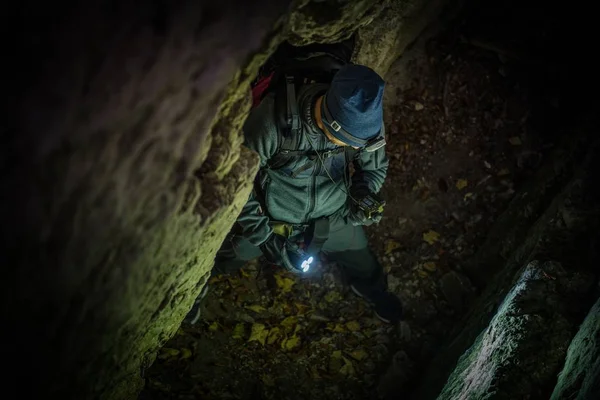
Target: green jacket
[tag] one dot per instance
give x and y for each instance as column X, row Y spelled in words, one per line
column 311, row 193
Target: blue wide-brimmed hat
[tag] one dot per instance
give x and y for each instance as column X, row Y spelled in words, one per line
column 352, row 110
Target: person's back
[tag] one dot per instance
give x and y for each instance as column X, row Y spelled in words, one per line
column 305, row 187
column 305, row 194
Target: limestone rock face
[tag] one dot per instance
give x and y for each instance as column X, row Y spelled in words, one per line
column 123, row 171
column 384, row 28
column 394, row 28
column 580, row 378
column 328, row 21
column 122, row 177
column 531, row 325
column 513, row 342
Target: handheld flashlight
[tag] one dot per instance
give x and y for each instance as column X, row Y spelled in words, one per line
column 297, row 260
column 305, row 266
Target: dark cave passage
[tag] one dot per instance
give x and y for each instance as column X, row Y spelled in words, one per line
column 124, row 169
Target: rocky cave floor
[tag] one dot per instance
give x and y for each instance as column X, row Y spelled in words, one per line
column 461, row 142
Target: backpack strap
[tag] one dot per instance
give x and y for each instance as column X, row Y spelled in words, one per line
column 293, row 116
column 289, row 126
column 288, row 145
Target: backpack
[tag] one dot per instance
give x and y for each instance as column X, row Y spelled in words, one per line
column 284, row 73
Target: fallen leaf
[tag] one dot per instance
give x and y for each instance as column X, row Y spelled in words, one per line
column 348, row 368
column 314, row 373
column 358, row 354
column 353, row 326
column 245, row 274
column 335, row 361
column 429, row 266
column 285, row 284
column 468, row 195
column 333, row 296
column 425, row 195
column 215, row 279
column 337, row 327
column 213, row 327
column 302, row 308
column 461, row 184
column 390, row 246
column 256, row 308
column 503, row 172
column 239, row 331
column 274, row 335
column 287, row 309
column 185, row 353
column 487, row 164
column 290, row 343
column 419, row 106
column 167, row 352
column 431, row 237
column 515, row 141
column 259, row 334
column 289, row 323
column 422, row 274
column 267, row 380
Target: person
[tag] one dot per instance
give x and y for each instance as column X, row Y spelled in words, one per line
column 310, row 196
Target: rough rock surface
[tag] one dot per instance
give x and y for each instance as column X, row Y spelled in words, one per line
column 124, row 172
column 563, row 232
column 580, row 378
column 524, row 343
column 396, row 27
column 109, row 229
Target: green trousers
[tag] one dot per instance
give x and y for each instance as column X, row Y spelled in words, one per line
column 346, row 245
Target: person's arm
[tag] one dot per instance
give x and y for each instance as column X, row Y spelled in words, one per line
column 260, row 135
column 370, row 172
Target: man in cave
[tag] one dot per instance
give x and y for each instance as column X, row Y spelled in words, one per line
column 307, row 136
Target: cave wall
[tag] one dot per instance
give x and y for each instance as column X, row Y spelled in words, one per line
column 109, row 227
column 525, row 343
column 580, row 377
column 397, row 25
column 123, row 170
column 538, row 277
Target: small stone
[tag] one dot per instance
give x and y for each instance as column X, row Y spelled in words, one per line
column 368, row 366
column 398, row 374
column 515, row 141
column 458, row 216
column 455, row 287
column 393, row 282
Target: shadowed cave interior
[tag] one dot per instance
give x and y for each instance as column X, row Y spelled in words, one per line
column 124, row 169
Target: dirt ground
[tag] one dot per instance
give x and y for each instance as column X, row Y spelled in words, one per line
column 461, row 142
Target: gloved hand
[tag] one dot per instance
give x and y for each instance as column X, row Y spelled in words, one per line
column 358, row 217
column 273, row 247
